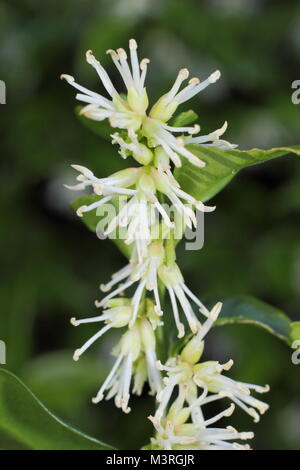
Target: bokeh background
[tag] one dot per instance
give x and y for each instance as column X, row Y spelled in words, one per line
column 52, row 264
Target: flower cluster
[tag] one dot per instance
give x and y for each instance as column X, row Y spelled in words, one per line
column 182, row 425
column 157, row 146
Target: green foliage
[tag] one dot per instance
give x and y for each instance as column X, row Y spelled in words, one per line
column 221, row 167
column 25, row 423
column 52, row 265
column 53, row 376
column 250, row 311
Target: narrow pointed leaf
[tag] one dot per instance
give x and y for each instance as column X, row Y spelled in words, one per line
column 221, row 167
column 25, row 423
column 248, row 310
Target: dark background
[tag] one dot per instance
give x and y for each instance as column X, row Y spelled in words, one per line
column 52, row 264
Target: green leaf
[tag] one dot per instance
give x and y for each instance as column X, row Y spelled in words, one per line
column 25, row 423
column 248, row 310
column 100, row 128
column 91, row 220
column 221, row 167
column 185, row 118
column 61, row 383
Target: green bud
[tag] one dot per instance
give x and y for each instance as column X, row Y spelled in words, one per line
column 146, row 185
column 140, row 375
column 161, row 158
column 163, row 110
column 156, row 249
column 162, row 183
column 121, row 316
column 178, row 417
column 118, row 302
column 207, row 369
column 137, row 102
column 121, row 104
column 128, row 176
column 170, row 275
column 147, row 335
column 131, row 342
column 192, row 351
column 144, row 155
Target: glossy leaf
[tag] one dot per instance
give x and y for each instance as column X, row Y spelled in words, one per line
column 25, row 423
column 248, row 310
column 221, row 167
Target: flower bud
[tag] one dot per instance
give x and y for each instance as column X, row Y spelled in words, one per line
column 118, row 302
column 120, row 316
column 156, row 250
column 143, row 154
column 207, row 369
column 161, row 181
column 146, row 186
column 163, row 109
column 161, row 158
column 147, row 335
column 137, row 101
column 131, row 343
column 192, row 351
column 170, row 275
column 140, row 376
column 127, row 177
column 178, row 417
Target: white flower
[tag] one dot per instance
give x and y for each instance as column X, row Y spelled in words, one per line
column 117, row 383
column 122, row 113
column 144, row 273
column 137, row 216
column 174, row 432
column 145, row 132
column 208, row 376
column 186, row 372
column 115, row 185
column 136, row 358
column 117, row 315
column 140, row 152
column 182, row 202
column 214, row 138
column 147, row 273
column 137, row 191
column 189, row 436
column 171, row 277
column 137, row 202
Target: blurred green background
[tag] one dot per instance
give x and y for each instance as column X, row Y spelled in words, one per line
column 52, row 264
